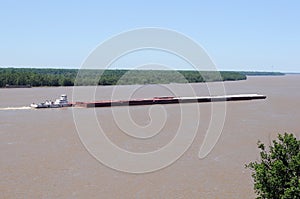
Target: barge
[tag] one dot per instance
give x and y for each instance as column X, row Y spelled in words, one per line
column 63, row 101
column 168, row 100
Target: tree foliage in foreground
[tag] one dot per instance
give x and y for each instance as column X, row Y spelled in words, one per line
column 277, row 174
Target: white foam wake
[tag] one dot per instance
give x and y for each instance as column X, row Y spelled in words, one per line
column 15, row 108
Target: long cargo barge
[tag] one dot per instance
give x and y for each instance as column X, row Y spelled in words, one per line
column 168, row 100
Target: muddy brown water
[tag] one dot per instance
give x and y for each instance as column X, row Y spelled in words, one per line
column 41, row 155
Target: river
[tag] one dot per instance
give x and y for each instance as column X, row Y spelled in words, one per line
column 42, row 156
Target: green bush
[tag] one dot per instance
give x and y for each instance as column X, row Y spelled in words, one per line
column 277, row 174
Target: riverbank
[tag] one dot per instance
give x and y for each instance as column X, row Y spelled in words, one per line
column 37, row 77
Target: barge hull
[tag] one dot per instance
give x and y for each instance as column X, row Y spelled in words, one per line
column 169, row 100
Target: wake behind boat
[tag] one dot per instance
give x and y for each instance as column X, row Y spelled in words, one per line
column 58, row 103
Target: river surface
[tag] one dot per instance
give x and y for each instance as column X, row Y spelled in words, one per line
column 42, row 156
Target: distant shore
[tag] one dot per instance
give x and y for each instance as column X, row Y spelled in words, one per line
column 37, row 77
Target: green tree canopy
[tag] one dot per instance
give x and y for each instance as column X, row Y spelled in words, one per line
column 276, row 175
column 70, row 77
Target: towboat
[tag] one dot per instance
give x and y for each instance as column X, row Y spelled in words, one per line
column 58, row 103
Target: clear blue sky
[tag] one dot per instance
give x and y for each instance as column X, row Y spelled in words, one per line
column 238, row 35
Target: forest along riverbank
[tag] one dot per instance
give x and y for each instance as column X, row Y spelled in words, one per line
column 14, row 77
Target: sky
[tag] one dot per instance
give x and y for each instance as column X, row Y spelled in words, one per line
column 238, row 35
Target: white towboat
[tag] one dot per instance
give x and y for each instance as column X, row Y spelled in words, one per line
column 58, row 103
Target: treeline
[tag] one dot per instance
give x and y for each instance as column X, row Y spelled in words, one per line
column 37, row 77
column 69, row 77
column 255, row 73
